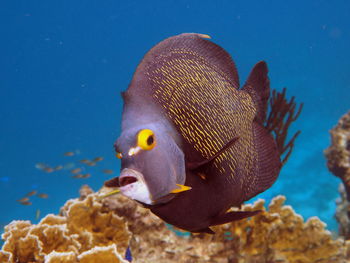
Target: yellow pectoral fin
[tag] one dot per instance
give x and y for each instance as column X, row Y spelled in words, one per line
column 181, row 189
column 109, row 194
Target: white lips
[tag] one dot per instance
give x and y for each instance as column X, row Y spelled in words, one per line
column 137, row 190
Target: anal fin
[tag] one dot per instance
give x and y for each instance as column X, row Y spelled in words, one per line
column 232, row 216
column 205, row 230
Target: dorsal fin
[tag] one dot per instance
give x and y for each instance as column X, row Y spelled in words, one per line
column 258, row 87
column 200, row 44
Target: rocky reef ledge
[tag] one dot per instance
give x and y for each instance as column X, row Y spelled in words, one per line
column 90, row 229
column 338, row 162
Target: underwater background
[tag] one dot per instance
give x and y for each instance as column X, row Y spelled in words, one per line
column 64, row 63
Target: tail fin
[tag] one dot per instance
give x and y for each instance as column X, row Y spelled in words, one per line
column 258, row 87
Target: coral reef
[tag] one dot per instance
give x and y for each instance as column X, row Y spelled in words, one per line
column 276, row 235
column 83, row 232
column 88, row 231
column 341, row 213
column 338, row 162
column 338, row 154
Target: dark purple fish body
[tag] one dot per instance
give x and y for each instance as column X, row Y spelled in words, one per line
column 201, row 207
column 186, row 123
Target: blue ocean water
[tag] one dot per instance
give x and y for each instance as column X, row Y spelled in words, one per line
column 64, row 63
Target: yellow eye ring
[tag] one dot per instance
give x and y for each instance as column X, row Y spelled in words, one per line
column 119, row 155
column 146, row 139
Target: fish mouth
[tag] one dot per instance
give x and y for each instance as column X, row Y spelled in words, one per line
column 127, row 179
column 114, row 182
column 130, row 176
column 132, row 184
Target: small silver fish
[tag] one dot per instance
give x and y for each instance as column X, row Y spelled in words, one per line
column 97, row 159
column 43, row 195
column 34, row 192
column 108, row 171
column 76, row 171
column 58, row 167
column 24, row 199
column 37, row 214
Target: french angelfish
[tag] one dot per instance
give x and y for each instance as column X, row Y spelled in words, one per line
column 193, row 144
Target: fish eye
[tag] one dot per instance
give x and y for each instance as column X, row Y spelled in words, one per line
column 119, row 155
column 146, row 139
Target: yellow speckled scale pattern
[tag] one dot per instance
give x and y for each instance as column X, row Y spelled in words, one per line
column 208, row 111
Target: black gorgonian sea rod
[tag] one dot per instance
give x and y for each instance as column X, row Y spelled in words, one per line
column 193, row 143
